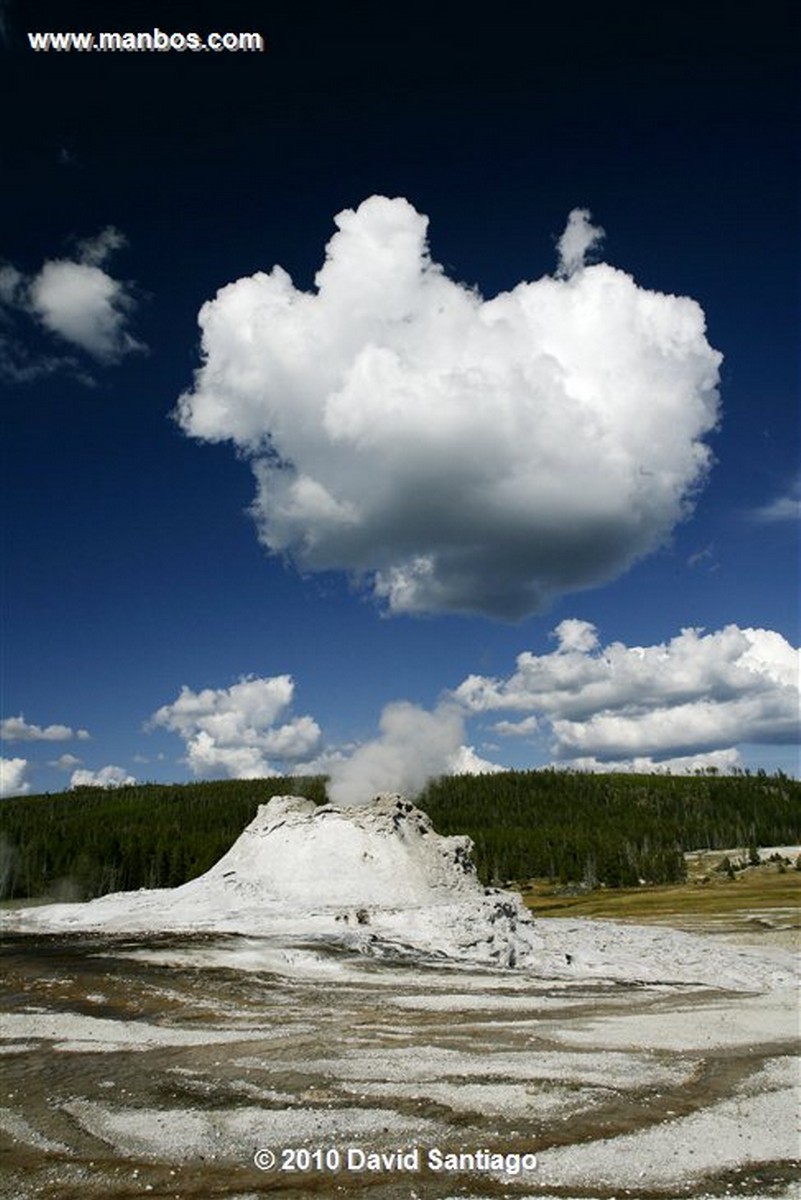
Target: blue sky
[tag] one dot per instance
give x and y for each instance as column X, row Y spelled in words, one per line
column 516, row 453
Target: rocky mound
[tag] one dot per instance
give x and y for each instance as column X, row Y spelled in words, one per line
column 377, row 877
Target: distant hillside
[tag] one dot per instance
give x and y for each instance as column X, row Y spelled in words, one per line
column 90, row 841
column 614, row 829
column 567, row 826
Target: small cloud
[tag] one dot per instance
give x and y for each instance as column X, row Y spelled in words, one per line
column 106, row 777
column 65, row 762
column 83, row 305
column 12, row 777
column 95, row 251
column 522, row 728
column 466, row 762
column 786, row 507
column 572, row 634
column 19, row 365
column 17, row 729
column 234, row 731
column 73, row 299
column 701, row 556
column 580, row 235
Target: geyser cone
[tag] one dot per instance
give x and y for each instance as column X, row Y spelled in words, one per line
column 378, row 879
column 384, row 854
column 375, row 877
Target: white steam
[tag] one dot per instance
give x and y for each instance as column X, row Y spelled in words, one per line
column 413, row 746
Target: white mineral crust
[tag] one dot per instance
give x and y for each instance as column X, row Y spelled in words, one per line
column 378, row 879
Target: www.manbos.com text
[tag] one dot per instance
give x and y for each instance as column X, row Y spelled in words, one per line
column 156, row 39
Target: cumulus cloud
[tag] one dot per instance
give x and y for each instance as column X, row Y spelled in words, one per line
column 85, row 306
column 457, row 454
column 65, row 762
column 697, row 694
column 106, row 777
column 413, row 746
column 523, row 728
column 17, row 729
column 235, row 732
column 12, row 777
column 722, row 761
column 74, row 299
column 467, row 762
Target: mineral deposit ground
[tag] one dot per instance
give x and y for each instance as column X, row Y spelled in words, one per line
column 237, row 1059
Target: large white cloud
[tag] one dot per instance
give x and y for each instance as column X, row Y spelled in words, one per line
column 17, row 729
column 234, row 731
column 458, row 454
column 699, row 693
column 12, row 777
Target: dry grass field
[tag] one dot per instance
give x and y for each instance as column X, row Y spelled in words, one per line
column 760, row 903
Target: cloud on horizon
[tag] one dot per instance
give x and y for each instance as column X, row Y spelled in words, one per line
column 722, row 761
column 455, row 454
column 12, row 777
column 105, row 777
column 699, row 694
column 234, row 732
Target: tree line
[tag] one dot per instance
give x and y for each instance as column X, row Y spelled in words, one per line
column 616, row 829
column 567, row 826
